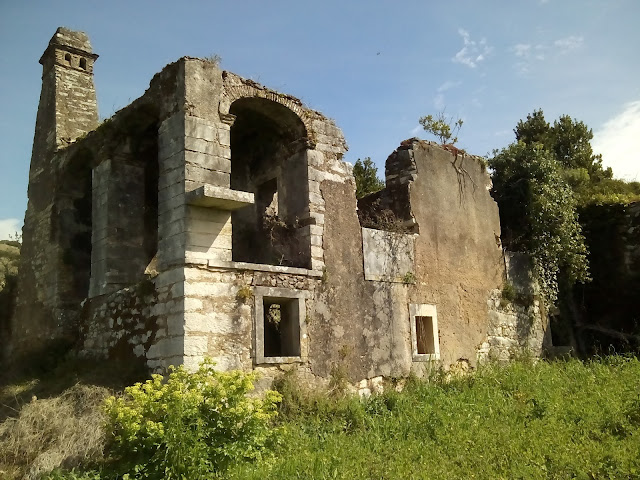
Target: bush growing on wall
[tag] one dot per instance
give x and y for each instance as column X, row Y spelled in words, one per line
column 194, row 425
column 538, row 215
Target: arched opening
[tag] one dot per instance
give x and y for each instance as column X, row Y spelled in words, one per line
column 73, row 223
column 67, row 58
column 83, row 63
column 268, row 145
column 125, row 222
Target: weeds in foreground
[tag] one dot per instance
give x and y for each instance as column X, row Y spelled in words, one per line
column 191, row 426
column 67, row 428
column 533, row 420
column 528, row 420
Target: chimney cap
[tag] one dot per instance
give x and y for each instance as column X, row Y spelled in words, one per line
column 69, row 38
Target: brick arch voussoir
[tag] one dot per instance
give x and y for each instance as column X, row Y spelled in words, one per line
column 231, row 94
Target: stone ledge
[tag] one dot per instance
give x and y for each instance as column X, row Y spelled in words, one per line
column 264, row 268
column 279, row 360
column 219, row 197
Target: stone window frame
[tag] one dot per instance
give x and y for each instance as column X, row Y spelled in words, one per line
column 424, row 310
column 300, row 296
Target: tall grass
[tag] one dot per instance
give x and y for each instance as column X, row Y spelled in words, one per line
column 66, row 429
column 546, row 420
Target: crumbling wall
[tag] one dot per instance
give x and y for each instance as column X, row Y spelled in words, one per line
column 360, row 328
column 172, row 278
column 518, row 325
column 458, row 252
column 121, row 325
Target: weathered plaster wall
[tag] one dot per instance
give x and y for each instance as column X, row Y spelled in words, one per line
column 458, row 253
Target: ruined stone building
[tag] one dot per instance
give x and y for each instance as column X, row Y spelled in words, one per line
column 216, row 217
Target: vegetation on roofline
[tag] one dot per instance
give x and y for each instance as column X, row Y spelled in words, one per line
column 444, row 129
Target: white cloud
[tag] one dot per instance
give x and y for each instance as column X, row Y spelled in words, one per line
column 448, row 85
column 619, row 143
column 438, row 101
column 527, row 54
column 568, row 44
column 521, row 50
column 472, row 53
column 416, row 130
column 9, row 226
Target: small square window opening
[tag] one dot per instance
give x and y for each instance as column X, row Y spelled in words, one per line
column 425, row 343
column 281, row 327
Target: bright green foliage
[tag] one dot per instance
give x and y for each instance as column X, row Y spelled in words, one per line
column 527, row 420
column 534, row 130
column 366, row 176
column 569, row 140
column 538, row 182
column 443, row 128
column 538, row 214
column 193, row 426
column 74, row 475
column 605, row 191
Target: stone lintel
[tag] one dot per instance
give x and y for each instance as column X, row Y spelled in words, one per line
column 219, row 197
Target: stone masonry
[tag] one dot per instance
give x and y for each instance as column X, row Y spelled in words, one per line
column 216, row 217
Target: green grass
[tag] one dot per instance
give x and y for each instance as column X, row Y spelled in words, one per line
column 544, row 420
column 549, row 420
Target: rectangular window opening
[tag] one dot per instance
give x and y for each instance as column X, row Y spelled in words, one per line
column 425, row 342
column 424, row 336
column 281, row 327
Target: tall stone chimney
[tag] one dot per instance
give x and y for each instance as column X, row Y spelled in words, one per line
column 67, row 110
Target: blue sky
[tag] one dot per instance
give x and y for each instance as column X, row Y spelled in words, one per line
column 373, row 66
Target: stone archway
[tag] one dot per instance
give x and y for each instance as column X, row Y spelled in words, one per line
column 268, row 158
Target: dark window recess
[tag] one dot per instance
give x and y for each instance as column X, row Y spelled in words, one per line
column 268, row 144
column 83, row 63
column 281, row 327
column 424, row 335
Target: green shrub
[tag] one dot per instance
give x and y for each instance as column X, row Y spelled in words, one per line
column 194, row 425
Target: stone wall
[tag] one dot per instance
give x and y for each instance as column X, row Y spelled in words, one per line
column 518, row 325
column 458, row 253
column 122, row 325
column 45, row 308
